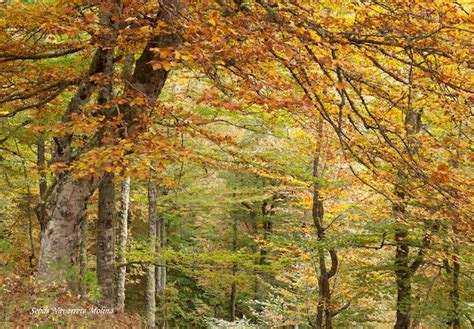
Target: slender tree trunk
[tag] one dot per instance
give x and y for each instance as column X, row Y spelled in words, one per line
column 106, row 212
column 105, row 245
column 455, row 291
column 233, row 288
column 160, row 270
column 403, row 279
column 453, row 272
column 151, row 280
column 324, row 312
column 403, row 269
column 41, row 147
column 267, row 211
column 160, row 244
column 40, row 162
column 122, row 243
column 254, row 226
column 83, row 260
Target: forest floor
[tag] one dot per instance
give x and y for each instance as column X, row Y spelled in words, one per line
column 26, row 304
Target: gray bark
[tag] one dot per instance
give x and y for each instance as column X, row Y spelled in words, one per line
column 63, row 210
column 151, row 283
column 83, row 260
column 64, row 204
column 105, row 245
column 105, row 251
column 122, row 243
column 160, row 244
column 160, row 270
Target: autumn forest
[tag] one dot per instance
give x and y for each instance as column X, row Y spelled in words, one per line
column 236, row 164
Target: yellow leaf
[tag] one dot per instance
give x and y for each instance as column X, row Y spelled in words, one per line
column 314, row 36
column 167, row 66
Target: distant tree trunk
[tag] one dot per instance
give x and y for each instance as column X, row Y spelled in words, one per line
column 455, row 290
column 254, row 226
column 105, row 245
column 453, row 272
column 324, row 311
column 122, row 243
column 40, row 162
column 267, row 210
column 41, row 148
column 151, row 280
column 403, row 280
column 161, row 243
column 403, row 269
column 83, row 260
column 160, row 270
column 233, row 289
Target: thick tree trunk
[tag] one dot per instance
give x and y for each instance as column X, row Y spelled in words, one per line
column 63, row 211
column 105, row 245
column 151, row 280
column 64, row 205
column 122, row 243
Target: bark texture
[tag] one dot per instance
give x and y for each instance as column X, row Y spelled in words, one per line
column 105, row 254
column 403, row 269
column 151, row 280
column 63, row 210
column 122, row 243
column 83, row 260
column 105, row 250
column 324, row 311
column 160, row 270
column 63, row 206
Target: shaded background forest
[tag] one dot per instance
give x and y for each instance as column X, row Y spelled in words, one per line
column 237, row 164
